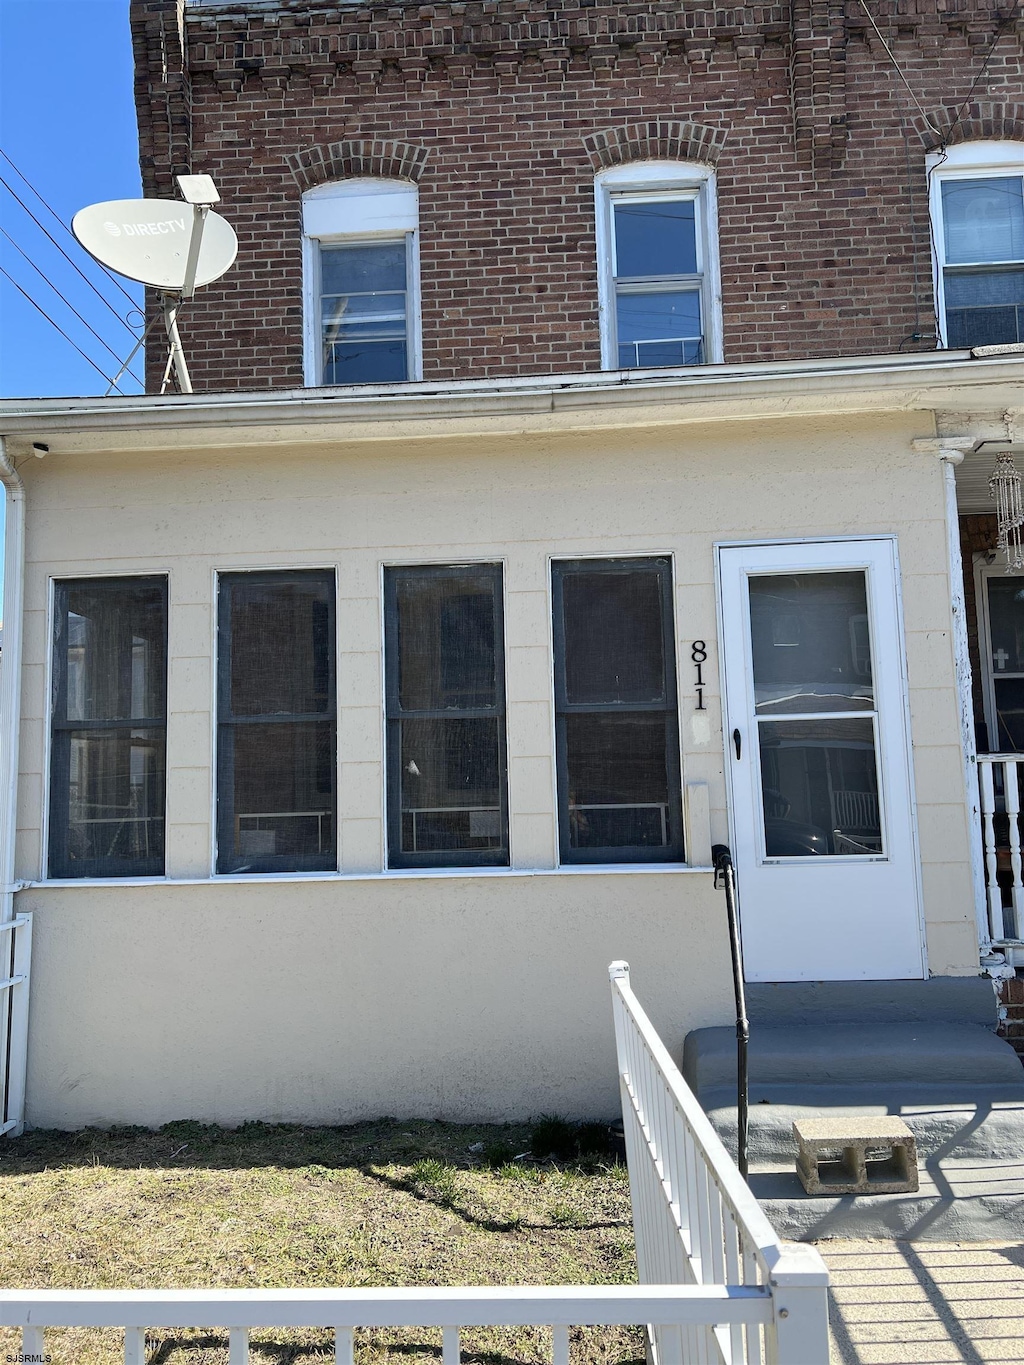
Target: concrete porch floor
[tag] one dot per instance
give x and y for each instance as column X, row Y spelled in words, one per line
column 931, row 1303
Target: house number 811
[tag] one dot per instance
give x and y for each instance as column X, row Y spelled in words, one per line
column 699, row 654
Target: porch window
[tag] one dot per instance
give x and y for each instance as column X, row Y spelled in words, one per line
column 617, row 736
column 109, row 722
column 276, row 722
column 978, row 212
column 445, row 685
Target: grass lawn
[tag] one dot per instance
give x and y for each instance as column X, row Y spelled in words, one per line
column 387, row 1203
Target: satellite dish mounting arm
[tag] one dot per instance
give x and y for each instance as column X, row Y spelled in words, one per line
column 201, row 193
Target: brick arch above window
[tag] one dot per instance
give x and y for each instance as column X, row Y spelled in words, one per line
column 662, row 140
column 982, row 120
column 370, row 157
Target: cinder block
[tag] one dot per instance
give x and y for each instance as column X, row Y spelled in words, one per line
column 851, row 1154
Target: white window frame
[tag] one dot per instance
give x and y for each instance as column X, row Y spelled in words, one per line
column 346, row 212
column 964, row 161
column 641, row 181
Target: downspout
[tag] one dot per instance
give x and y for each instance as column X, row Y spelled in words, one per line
column 10, row 676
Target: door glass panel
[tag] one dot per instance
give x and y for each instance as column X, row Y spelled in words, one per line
column 1006, row 622
column 811, row 643
column 819, row 784
column 1006, row 632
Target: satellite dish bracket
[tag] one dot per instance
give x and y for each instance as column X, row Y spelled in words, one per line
column 170, row 303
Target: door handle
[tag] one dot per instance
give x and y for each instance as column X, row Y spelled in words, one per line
column 737, row 739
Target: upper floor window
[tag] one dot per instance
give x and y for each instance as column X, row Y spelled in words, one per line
column 977, row 206
column 109, row 727
column 657, row 248
column 361, row 282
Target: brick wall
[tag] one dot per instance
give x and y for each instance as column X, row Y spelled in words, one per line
column 503, row 109
column 1011, row 1027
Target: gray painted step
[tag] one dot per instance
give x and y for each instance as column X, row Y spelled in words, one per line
column 958, row 1087
column 886, row 1055
column 965, row 1127
column 968, row 1201
column 939, row 1000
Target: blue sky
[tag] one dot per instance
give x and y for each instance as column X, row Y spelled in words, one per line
column 67, row 121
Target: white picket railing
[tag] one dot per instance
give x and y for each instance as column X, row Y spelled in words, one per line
column 239, row 1311
column 696, row 1221
column 999, row 779
column 715, row 1284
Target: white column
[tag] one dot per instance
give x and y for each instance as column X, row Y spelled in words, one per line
column 951, row 451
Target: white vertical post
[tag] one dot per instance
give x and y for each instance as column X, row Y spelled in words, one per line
column 988, row 807
column 344, row 1346
column 32, row 1343
column 560, row 1345
column 951, row 453
column 135, row 1346
column 238, row 1346
column 799, row 1330
column 17, row 1050
column 450, row 1348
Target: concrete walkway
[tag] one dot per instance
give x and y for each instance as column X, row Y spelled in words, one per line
column 926, row 1303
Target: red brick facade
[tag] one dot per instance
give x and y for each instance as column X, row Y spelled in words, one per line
column 502, row 109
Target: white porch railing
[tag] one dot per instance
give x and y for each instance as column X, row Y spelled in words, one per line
column 15, row 964
column 715, row 1284
column 696, row 1221
column 999, row 778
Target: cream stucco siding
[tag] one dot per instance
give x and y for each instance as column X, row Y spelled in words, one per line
column 328, row 1002
column 446, row 995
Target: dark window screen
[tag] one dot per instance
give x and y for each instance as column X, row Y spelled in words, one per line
column 617, row 729
column 447, row 799
column 276, row 723
column 109, row 728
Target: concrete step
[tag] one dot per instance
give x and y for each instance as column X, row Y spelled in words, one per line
column 958, row 1087
column 958, row 1201
column 840, row 1055
column 963, row 1124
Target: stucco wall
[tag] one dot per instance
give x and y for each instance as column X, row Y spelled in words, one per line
column 148, row 1002
column 479, row 998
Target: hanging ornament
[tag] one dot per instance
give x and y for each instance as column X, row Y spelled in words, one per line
column 1004, row 486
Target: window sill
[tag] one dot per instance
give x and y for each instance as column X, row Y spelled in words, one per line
column 395, row 874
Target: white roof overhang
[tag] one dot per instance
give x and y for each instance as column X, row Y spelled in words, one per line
column 950, row 382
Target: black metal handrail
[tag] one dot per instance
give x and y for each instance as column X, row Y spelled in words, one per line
column 725, row 876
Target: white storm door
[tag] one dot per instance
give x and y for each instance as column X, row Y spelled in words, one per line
column 818, row 762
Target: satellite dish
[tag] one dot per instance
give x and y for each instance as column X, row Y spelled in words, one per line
column 148, row 240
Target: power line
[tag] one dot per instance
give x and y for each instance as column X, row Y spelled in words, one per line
column 1000, row 29
column 53, row 212
column 50, row 320
column 67, row 302
column 899, row 71
column 106, row 302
